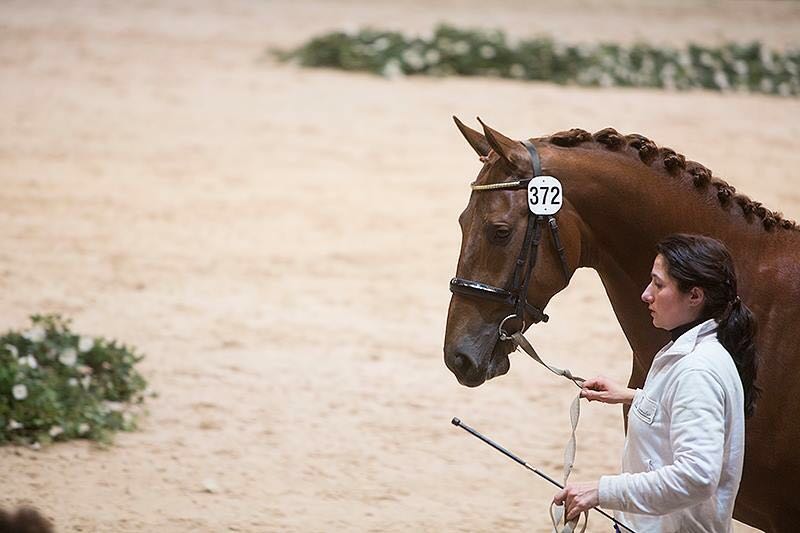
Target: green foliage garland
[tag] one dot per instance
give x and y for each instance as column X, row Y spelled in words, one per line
column 452, row 51
column 57, row 385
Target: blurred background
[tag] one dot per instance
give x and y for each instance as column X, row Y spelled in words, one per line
column 278, row 240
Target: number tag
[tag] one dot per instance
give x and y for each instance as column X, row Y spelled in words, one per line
column 544, row 195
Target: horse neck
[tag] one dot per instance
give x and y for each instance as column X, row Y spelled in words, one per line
column 625, row 208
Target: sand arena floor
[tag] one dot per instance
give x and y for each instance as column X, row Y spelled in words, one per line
column 278, row 242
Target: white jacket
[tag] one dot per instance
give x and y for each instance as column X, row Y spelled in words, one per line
column 683, row 454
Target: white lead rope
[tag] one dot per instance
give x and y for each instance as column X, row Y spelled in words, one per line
column 557, row 511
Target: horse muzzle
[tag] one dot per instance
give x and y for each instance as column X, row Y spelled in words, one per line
column 472, row 365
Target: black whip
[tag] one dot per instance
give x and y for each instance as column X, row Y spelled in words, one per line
column 490, row 442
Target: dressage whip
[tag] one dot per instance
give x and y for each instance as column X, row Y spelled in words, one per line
column 458, row 423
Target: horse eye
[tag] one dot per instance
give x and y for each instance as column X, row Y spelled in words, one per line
column 500, row 234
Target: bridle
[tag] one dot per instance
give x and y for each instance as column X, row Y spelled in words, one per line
column 516, row 295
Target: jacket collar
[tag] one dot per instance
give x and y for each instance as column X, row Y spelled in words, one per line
column 687, row 342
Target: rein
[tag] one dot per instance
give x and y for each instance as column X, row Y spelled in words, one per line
column 571, row 449
column 516, row 297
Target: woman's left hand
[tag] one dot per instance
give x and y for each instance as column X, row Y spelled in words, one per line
column 578, row 497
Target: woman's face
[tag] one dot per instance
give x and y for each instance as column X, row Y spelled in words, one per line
column 668, row 306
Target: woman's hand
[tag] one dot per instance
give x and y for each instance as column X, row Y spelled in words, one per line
column 577, row 498
column 606, row 390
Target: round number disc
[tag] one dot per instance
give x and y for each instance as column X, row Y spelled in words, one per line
column 545, row 195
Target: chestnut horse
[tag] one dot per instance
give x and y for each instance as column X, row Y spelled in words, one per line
column 621, row 195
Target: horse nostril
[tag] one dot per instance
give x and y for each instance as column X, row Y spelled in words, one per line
column 465, row 366
column 463, row 363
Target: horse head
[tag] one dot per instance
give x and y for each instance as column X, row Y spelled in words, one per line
column 494, row 228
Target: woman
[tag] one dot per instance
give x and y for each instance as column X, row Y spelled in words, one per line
column 683, row 454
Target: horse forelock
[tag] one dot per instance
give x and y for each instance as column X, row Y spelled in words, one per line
column 676, row 166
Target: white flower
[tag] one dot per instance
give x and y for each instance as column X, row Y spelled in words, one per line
column 73, row 382
column 721, row 80
column 85, row 369
column 648, row 65
column 115, row 407
column 668, row 75
column 12, row 350
column 86, row 381
column 517, row 71
column 392, row 70
column 55, row 431
column 766, row 58
column 85, row 344
column 432, row 56
column 68, row 357
column 13, row 424
column 413, row 59
column 706, row 59
column 35, row 334
column 83, row 428
column 487, row 52
column 31, row 361
column 461, row 47
column 381, row 44
column 20, row 391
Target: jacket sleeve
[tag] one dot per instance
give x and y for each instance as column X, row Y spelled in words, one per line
column 697, row 437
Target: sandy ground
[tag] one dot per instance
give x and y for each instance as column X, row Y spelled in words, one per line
column 278, row 242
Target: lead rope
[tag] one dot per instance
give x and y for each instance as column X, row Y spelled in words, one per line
column 557, row 511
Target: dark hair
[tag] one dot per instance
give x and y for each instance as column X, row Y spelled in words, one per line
column 698, row 261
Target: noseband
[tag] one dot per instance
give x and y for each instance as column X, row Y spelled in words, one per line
column 516, row 296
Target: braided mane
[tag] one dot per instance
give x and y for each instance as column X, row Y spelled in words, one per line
column 678, row 167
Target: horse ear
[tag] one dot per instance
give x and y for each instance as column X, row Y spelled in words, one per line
column 474, row 138
column 509, row 150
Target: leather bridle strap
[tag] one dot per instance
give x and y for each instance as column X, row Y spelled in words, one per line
column 537, row 171
column 534, row 224
column 535, row 161
column 559, row 248
column 477, row 289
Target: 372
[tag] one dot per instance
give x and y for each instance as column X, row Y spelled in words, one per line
column 539, row 195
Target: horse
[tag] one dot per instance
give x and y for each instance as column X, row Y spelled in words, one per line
column 621, row 195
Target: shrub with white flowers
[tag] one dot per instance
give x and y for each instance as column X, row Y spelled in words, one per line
column 58, row 385
column 451, row 51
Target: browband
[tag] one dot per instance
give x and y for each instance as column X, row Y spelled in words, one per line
column 517, row 184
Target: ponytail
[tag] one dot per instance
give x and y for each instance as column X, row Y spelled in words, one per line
column 698, row 261
column 736, row 332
